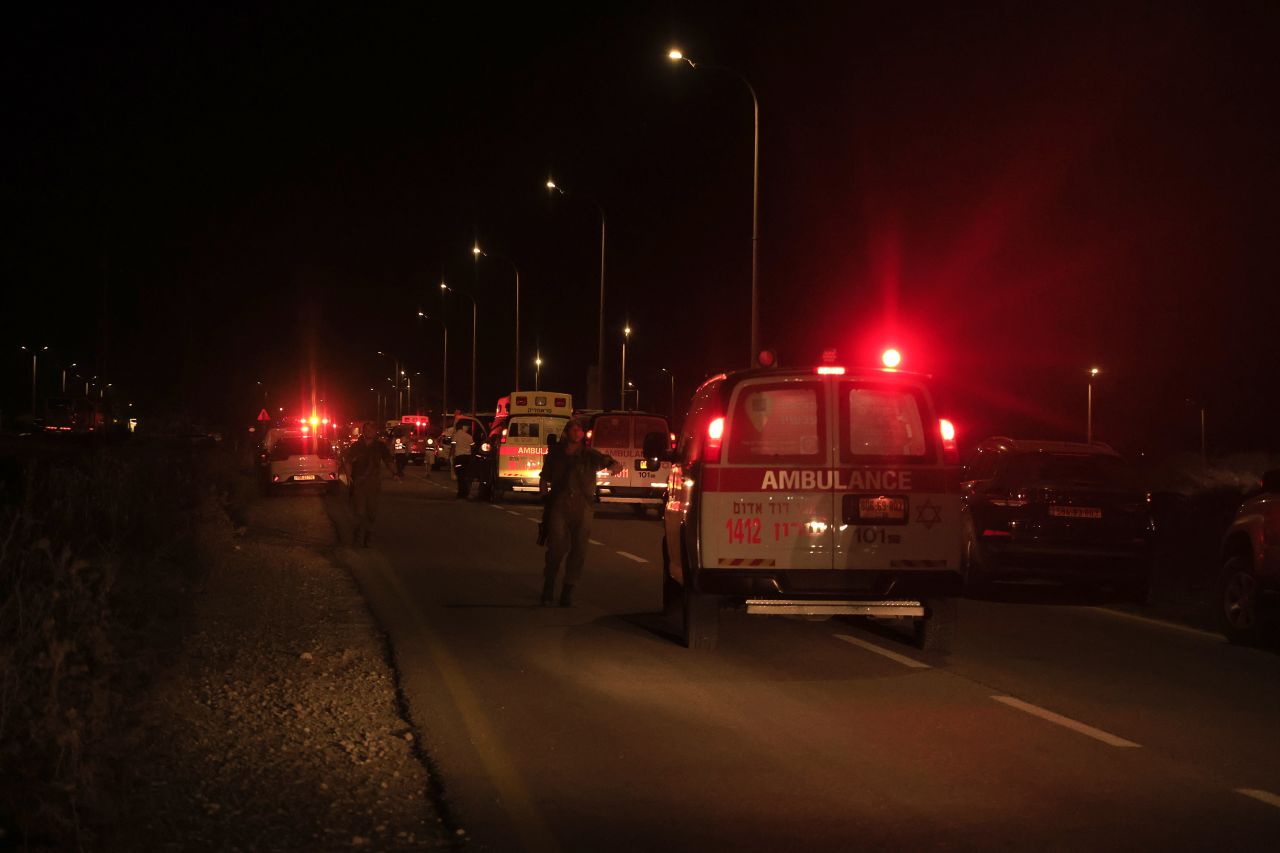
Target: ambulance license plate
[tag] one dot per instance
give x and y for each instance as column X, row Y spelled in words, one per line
column 304, row 476
column 875, row 509
column 1075, row 511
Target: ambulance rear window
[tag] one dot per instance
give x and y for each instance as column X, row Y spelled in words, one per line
column 523, row 429
column 883, row 421
column 645, row 425
column 611, row 431
column 777, row 423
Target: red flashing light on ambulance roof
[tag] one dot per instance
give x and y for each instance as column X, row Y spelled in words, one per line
column 891, row 358
column 950, row 449
column 830, row 370
column 314, row 420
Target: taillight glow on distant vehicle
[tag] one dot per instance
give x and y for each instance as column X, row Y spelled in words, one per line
column 891, row 358
column 830, row 370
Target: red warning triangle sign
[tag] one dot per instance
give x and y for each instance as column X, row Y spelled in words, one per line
column 263, row 416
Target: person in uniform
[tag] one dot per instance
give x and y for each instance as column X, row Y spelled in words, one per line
column 569, row 481
column 364, row 462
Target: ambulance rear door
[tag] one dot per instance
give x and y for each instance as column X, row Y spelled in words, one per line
column 524, row 446
column 768, row 502
column 897, row 507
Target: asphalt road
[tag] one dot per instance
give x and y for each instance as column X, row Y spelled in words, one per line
column 590, row 728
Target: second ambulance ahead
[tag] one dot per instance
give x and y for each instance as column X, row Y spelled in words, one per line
column 533, row 417
column 813, row 492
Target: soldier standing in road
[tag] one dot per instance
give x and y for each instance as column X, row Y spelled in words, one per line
column 570, row 472
column 364, row 462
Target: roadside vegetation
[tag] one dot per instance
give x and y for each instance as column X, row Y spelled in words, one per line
column 98, row 560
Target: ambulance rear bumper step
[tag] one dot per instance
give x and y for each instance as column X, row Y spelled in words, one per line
column 828, row 607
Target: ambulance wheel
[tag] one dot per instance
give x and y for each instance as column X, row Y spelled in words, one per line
column 701, row 620
column 672, row 600
column 936, row 630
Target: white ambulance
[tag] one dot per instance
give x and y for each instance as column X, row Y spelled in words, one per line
column 533, row 418
column 813, row 492
column 640, row 484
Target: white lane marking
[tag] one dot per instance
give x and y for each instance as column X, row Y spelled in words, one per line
column 1172, row 626
column 498, row 508
column 529, row 518
column 872, row 647
column 1066, row 722
column 631, row 557
column 595, row 541
column 1261, row 796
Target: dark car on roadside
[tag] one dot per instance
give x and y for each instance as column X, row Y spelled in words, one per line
column 1249, row 574
column 1055, row 511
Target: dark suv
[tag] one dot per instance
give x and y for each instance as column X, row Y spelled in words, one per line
column 1055, row 510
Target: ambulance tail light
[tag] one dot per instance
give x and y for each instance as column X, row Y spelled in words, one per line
column 950, row 448
column 672, row 435
column 561, row 402
column 715, row 432
column 830, row 370
column 503, row 440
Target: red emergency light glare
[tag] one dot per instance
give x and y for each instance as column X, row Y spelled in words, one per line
column 830, row 370
column 324, row 421
column 891, row 358
column 766, row 358
column 715, row 432
column 950, row 449
column 314, row 420
column 561, row 402
column 522, row 401
column 306, row 428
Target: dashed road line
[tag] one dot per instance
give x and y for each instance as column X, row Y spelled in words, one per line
column 1172, row 626
column 872, row 647
column 531, row 518
column 1066, row 722
column 495, row 506
column 1261, row 796
column 595, row 541
column 631, row 556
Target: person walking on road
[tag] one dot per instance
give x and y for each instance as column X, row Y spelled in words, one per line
column 462, row 461
column 364, row 462
column 569, row 473
column 400, row 449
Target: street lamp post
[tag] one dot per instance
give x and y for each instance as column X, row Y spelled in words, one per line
column 35, row 353
column 622, row 386
column 671, row 411
column 476, row 250
column 395, row 380
column 444, row 288
column 444, row 366
column 64, row 376
column 677, row 56
column 1093, row 374
column 597, row 390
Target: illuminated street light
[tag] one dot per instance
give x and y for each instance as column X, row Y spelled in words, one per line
column 447, row 289
column 622, row 387
column 444, row 367
column 396, row 380
column 537, row 372
column 595, row 389
column 35, row 353
column 676, row 56
column 475, row 250
column 1093, row 374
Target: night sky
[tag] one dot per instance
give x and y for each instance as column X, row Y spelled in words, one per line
column 202, row 199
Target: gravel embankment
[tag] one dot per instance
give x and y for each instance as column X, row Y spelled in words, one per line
column 279, row 728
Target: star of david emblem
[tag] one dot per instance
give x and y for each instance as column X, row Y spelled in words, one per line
column 929, row 514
